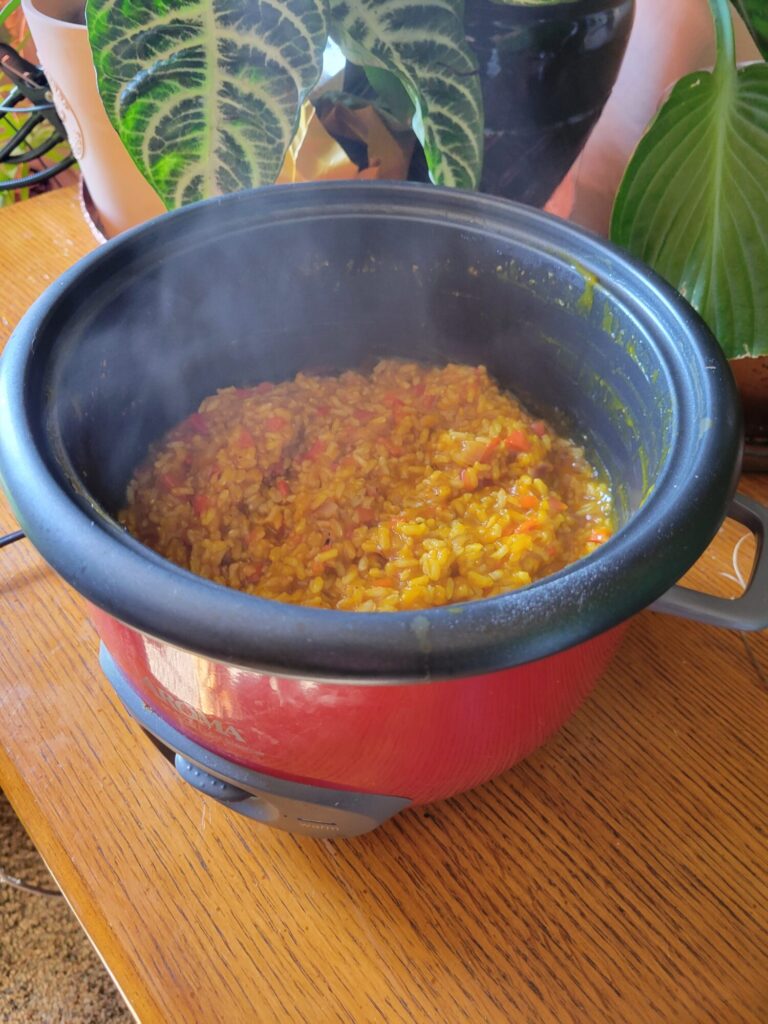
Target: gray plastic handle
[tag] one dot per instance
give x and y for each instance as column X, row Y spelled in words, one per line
column 749, row 612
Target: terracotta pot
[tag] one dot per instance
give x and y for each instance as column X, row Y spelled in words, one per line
column 751, row 375
column 121, row 197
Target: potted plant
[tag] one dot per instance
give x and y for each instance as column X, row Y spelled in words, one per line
column 207, row 101
column 121, row 195
column 693, row 203
column 32, row 147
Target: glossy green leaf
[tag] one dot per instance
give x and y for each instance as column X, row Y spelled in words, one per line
column 423, row 44
column 693, row 202
column 391, row 92
column 205, row 94
column 755, row 15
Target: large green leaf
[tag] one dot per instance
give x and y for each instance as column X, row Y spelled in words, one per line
column 422, row 42
column 205, row 94
column 755, row 15
column 693, row 202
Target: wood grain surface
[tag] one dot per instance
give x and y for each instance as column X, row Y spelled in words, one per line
column 618, row 876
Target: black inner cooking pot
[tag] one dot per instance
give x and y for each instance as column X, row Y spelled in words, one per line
column 322, row 277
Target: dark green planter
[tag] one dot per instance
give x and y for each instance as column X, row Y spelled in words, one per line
column 547, row 72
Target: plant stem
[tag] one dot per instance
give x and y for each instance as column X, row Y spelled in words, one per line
column 725, row 65
column 7, row 9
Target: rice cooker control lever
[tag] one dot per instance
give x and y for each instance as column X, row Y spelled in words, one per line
column 297, row 807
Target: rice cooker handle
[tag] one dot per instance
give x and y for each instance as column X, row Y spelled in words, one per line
column 748, row 612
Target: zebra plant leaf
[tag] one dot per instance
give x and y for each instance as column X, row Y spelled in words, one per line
column 422, row 43
column 205, row 94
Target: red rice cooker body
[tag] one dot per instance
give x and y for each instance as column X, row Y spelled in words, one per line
column 423, row 741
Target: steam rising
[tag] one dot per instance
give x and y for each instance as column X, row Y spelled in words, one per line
column 231, row 293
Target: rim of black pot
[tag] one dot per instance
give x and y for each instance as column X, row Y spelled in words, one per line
column 532, row 12
column 141, row 589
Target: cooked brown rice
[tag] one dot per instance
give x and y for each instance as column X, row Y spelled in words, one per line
column 406, row 488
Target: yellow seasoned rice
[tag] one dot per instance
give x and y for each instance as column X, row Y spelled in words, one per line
column 405, row 488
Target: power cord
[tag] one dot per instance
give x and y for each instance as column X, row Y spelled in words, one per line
column 38, row 890
column 11, row 538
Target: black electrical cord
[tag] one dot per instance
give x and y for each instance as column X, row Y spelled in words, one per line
column 16, row 883
column 11, row 538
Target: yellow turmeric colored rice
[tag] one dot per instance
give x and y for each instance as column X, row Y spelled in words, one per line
column 409, row 487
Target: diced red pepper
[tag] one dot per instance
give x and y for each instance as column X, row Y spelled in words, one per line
column 201, row 503
column 528, row 501
column 283, row 487
column 255, row 572
column 365, row 515
column 315, row 450
column 197, row 423
column 490, row 448
column 275, row 422
column 539, row 427
column 245, row 439
column 323, row 410
column 517, row 441
column 169, row 481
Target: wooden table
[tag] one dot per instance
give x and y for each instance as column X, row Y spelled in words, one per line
column 618, row 876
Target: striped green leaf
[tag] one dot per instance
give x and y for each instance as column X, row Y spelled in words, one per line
column 205, row 94
column 422, row 42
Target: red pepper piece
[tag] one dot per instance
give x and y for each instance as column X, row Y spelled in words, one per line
column 275, row 422
column 197, row 423
column 490, row 448
column 169, row 481
column 315, row 450
column 245, row 439
column 201, row 503
column 517, row 441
